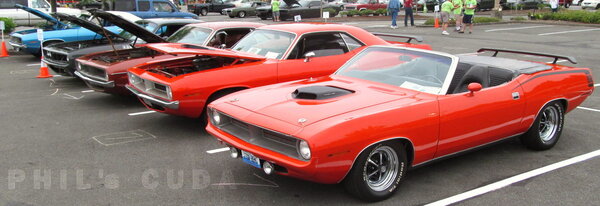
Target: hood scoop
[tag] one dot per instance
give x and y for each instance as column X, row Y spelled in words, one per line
column 319, row 92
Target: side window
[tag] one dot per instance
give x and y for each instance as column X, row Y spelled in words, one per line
column 322, row 44
column 161, row 30
column 143, row 5
column 169, row 30
column 351, row 42
column 162, row 7
column 125, row 5
column 314, row 3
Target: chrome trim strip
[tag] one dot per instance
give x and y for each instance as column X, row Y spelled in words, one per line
column 106, row 84
column 170, row 105
column 55, row 63
column 15, row 45
column 467, row 150
column 361, row 151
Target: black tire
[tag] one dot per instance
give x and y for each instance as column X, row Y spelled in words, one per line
column 231, row 16
column 377, row 159
column 241, row 14
column 567, row 5
column 203, row 11
column 597, row 6
column 263, row 17
column 546, row 128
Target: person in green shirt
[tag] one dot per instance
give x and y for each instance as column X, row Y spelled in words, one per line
column 458, row 6
column 447, row 7
column 275, row 7
column 470, row 6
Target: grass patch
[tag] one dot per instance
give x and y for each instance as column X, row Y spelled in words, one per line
column 574, row 16
column 518, row 18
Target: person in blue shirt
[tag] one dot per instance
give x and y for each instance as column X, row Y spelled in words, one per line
column 393, row 8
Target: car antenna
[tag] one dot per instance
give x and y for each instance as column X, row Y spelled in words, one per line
column 106, row 35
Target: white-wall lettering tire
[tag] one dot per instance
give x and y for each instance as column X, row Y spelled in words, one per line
column 242, row 14
column 546, row 128
column 377, row 171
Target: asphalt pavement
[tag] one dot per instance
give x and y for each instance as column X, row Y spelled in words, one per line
column 63, row 144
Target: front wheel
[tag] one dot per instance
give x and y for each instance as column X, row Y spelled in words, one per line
column 546, row 128
column 377, row 172
column 567, row 5
column 242, row 14
column 203, row 11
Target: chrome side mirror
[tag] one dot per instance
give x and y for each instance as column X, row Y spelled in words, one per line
column 308, row 55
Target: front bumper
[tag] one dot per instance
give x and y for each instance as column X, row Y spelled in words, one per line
column 105, row 84
column 17, row 46
column 149, row 99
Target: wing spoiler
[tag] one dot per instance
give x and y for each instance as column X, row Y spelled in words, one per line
column 409, row 37
column 556, row 57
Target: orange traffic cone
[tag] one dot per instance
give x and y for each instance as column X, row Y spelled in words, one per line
column 436, row 23
column 4, row 51
column 44, row 70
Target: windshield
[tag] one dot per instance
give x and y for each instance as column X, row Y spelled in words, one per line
column 268, row 43
column 362, row 1
column 416, row 70
column 39, row 4
column 190, row 35
column 148, row 25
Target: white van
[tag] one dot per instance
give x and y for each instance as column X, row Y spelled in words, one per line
column 24, row 18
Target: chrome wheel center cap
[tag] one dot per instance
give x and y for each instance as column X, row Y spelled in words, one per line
column 383, row 169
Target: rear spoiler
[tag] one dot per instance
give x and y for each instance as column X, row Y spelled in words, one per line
column 409, row 37
column 556, row 57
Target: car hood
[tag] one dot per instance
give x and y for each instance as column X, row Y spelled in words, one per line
column 179, row 48
column 86, row 24
column 278, row 102
column 130, row 27
column 42, row 15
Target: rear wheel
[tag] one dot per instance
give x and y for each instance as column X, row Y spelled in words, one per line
column 203, row 11
column 546, row 128
column 567, row 5
column 263, row 17
column 598, row 6
column 377, row 172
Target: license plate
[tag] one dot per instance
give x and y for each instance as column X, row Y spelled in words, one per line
column 250, row 159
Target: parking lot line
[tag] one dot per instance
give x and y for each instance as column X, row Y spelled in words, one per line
column 30, row 65
column 572, row 31
column 224, row 149
column 517, row 28
column 87, row 91
column 140, row 113
column 595, row 85
column 589, row 109
column 514, row 179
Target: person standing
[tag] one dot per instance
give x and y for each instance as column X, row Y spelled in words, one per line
column 470, row 6
column 393, row 8
column 275, row 8
column 458, row 6
column 554, row 5
column 447, row 7
column 408, row 11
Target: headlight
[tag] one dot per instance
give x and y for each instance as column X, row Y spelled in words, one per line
column 304, row 150
column 78, row 66
column 133, row 79
column 216, row 117
column 169, row 93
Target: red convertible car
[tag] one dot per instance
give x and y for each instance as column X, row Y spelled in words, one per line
column 391, row 108
column 107, row 71
column 270, row 54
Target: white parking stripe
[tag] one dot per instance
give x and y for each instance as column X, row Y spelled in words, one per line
column 572, row 31
column 224, row 149
column 517, row 28
column 589, row 109
column 87, row 91
column 514, row 179
column 595, row 85
column 30, row 65
column 140, row 113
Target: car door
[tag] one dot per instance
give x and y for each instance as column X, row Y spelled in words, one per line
column 330, row 50
column 471, row 119
column 313, row 10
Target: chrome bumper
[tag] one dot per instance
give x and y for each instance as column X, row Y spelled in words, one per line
column 162, row 103
column 16, row 46
column 106, row 84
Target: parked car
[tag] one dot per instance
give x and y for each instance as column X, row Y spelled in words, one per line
column 341, row 3
column 489, row 4
column 210, row 6
column 391, row 108
column 592, row 4
column 61, row 57
column 247, row 9
column 23, row 17
column 270, row 54
column 27, row 40
column 290, row 8
column 146, row 9
column 366, row 4
column 107, row 71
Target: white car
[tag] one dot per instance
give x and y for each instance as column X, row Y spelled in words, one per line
column 24, row 18
column 594, row 4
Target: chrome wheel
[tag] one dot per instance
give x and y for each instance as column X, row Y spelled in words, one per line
column 548, row 123
column 381, row 169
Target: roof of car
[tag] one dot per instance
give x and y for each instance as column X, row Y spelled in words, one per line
column 227, row 24
column 300, row 28
column 518, row 66
column 161, row 21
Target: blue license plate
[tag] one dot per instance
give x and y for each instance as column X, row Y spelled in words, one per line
column 250, row 159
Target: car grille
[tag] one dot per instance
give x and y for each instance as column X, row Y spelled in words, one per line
column 93, row 72
column 150, row 87
column 261, row 137
column 15, row 40
column 55, row 57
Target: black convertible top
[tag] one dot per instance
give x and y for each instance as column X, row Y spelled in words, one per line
column 516, row 66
